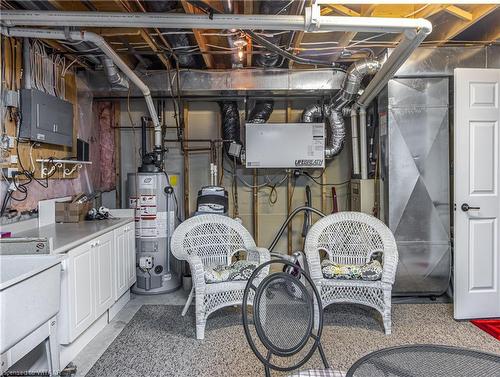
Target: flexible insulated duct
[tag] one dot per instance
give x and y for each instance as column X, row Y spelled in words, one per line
column 113, row 74
column 261, row 111
column 333, row 110
column 230, row 124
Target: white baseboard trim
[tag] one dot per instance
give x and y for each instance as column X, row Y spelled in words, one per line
column 69, row 352
column 118, row 305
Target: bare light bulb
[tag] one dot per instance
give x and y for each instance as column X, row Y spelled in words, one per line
column 240, row 53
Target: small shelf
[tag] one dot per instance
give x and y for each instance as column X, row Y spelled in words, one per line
column 57, row 164
column 64, row 161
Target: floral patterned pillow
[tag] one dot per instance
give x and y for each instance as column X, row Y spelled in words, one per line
column 239, row 270
column 370, row 271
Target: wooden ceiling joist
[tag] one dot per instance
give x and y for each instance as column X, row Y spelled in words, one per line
column 458, row 12
column 124, row 6
column 248, row 9
column 452, row 29
column 200, row 39
column 341, row 9
column 366, row 11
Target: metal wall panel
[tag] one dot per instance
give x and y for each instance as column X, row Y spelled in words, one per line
column 415, row 148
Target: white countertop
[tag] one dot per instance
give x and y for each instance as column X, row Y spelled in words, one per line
column 16, row 268
column 66, row 236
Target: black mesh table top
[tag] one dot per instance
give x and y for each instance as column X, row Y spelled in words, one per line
column 426, row 361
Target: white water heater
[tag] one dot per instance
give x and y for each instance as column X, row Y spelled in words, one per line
column 153, row 196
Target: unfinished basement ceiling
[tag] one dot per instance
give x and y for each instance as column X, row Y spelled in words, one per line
column 152, row 49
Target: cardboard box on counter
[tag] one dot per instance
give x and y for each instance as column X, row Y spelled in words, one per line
column 71, row 212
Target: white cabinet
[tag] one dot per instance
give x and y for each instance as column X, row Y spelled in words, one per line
column 104, row 270
column 98, row 273
column 124, row 259
column 78, row 293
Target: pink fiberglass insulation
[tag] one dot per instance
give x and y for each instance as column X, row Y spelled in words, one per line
column 107, row 173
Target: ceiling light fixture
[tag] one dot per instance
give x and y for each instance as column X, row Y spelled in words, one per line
column 240, row 43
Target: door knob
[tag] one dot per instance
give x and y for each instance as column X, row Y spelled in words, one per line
column 465, row 207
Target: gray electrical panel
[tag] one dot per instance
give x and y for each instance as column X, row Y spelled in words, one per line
column 46, row 118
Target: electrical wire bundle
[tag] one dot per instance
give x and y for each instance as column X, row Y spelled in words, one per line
column 29, row 176
column 48, row 71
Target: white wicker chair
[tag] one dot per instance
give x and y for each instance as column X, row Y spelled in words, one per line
column 352, row 238
column 209, row 240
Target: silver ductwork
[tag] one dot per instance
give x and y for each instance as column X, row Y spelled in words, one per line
column 333, row 110
column 113, row 74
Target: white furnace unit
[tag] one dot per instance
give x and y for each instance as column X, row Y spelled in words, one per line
column 285, row 145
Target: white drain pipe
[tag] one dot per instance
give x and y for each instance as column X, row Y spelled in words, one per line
column 355, row 142
column 362, row 141
column 98, row 41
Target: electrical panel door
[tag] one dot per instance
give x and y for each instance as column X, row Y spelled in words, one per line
column 46, row 118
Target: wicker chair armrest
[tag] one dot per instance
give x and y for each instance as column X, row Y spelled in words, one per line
column 390, row 264
column 197, row 271
column 314, row 263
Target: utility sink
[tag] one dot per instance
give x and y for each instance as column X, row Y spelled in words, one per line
column 29, row 295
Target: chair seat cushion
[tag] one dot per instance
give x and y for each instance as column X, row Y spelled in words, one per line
column 369, row 271
column 239, row 270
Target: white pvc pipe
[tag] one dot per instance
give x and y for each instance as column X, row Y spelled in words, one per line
column 362, row 144
column 106, row 49
column 355, row 142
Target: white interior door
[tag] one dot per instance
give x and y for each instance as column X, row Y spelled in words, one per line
column 477, row 201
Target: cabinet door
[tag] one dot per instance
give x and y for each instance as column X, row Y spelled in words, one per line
column 81, row 296
column 131, row 261
column 103, row 267
column 120, row 259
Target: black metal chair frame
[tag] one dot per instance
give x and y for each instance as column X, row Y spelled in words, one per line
column 291, row 272
column 414, row 347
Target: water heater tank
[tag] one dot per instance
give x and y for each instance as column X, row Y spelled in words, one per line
column 155, row 220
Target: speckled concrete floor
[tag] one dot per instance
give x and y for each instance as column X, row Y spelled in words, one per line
column 91, row 353
column 158, row 342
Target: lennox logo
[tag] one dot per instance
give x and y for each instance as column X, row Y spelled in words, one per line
column 308, row 162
